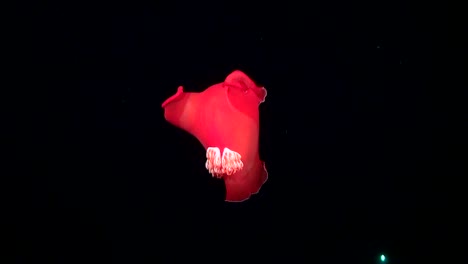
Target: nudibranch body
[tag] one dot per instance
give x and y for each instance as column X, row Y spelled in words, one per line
column 225, row 119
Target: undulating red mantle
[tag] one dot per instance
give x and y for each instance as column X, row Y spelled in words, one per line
column 225, row 115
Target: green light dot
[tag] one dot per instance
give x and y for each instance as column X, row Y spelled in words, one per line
column 382, row 258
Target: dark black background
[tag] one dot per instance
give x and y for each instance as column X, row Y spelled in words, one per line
column 350, row 133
